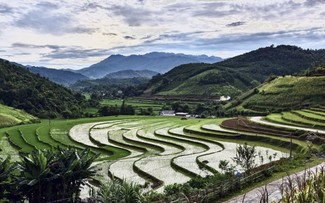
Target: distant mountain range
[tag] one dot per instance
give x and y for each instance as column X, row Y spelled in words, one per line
column 155, row 61
column 62, row 77
column 132, row 74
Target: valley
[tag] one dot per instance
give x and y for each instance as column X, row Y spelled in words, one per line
column 195, row 150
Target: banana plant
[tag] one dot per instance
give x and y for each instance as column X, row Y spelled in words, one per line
column 34, row 175
column 6, row 185
column 55, row 175
column 117, row 191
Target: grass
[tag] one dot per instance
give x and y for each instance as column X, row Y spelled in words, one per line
column 283, row 94
column 10, row 116
column 14, row 137
column 126, row 141
column 136, row 103
column 29, row 134
column 310, row 116
column 43, row 135
column 294, row 118
column 276, row 176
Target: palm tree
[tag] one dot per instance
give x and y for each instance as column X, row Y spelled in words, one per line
column 6, row 186
column 117, row 191
column 55, row 175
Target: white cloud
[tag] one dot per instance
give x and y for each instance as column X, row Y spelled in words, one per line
column 74, row 33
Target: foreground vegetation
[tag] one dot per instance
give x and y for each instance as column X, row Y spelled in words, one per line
column 46, row 176
column 138, row 148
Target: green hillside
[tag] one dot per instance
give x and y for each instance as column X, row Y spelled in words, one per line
column 211, row 83
column 10, row 116
column 234, row 76
column 282, row 94
column 38, row 96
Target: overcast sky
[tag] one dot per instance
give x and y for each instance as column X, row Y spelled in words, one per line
column 78, row 33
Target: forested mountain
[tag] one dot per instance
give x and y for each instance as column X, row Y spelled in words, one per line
column 155, row 61
column 19, row 88
column 235, row 75
column 280, row 60
column 132, row 74
column 62, row 77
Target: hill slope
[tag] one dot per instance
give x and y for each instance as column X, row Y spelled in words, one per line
column 283, row 94
column 233, row 76
column 280, row 60
column 10, row 116
column 38, row 96
column 62, row 77
column 132, row 74
column 155, row 61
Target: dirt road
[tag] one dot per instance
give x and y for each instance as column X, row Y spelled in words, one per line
column 273, row 189
column 258, row 119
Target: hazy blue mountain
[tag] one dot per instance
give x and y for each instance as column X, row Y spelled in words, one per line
column 155, row 61
column 62, row 77
column 132, row 74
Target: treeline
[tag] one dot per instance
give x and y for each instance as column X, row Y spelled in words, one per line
column 38, row 96
column 112, row 87
column 124, row 109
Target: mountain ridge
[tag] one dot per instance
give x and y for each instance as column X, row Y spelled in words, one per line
column 233, row 76
column 155, row 61
column 60, row 76
column 132, row 74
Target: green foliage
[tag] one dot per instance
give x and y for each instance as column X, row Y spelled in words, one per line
column 116, row 191
column 235, row 75
column 51, row 175
column 283, row 94
column 226, row 167
column 6, row 179
column 38, row 96
column 308, row 188
column 315, row 71
column 10, row 116
column 112, row 87
column 245, row 157
column 115, row 110
column 322, row 149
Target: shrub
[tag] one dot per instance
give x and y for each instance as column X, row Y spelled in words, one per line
column 116, row 191
column 54, row 175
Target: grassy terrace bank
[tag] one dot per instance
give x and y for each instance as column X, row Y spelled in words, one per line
column 137, row 148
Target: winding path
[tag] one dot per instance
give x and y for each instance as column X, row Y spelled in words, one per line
column 258, row 119
column 273, row 189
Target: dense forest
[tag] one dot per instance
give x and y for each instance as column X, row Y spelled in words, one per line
column 112, row 87
column 38, row 96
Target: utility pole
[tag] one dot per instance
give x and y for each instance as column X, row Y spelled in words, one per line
column 290, row 147
column 49, row 116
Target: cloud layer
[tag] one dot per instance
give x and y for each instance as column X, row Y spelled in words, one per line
column 75, row 34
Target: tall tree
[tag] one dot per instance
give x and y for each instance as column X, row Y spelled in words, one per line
column 245, row 157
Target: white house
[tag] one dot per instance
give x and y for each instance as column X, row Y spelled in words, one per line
column 167, row 113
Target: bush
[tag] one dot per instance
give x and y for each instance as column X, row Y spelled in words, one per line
column 322, row 149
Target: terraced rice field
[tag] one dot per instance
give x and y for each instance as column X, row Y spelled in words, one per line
column 155, row 150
